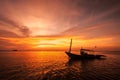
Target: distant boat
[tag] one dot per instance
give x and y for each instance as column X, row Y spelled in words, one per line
column 83, row 54
column 15, row 50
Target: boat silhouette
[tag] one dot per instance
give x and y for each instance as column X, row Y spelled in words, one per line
column 83, row 54
column 15, row 50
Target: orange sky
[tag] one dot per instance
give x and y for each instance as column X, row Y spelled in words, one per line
column 50, row 24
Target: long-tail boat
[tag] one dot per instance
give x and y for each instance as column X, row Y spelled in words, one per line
column 83, row 54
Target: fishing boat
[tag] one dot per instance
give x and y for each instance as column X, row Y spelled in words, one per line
column 83, row 54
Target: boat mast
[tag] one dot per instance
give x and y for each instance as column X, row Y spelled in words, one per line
column 70, row 45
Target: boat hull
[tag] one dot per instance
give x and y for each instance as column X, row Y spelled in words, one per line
column 80, row 57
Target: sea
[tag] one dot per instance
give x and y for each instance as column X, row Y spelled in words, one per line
column 56, row 65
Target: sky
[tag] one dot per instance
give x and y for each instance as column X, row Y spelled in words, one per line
column 50, row 24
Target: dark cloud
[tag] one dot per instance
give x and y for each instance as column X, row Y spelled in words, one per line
column 9, row 23
column 25, row 31
column 5, row 33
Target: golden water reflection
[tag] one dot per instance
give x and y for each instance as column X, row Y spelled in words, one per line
column 55, row 65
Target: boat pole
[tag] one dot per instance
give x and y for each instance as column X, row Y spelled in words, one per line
column 70, row 45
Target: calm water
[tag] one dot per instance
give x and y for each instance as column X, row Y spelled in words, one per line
column 55, row 65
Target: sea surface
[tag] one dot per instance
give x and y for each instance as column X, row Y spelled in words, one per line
column 55, row 65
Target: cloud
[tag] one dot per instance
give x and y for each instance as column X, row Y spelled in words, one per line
column 44, row 17
column 12, row 25
column 25, row 31
column 6, row 44
column 13, row 43
column 58, row 19
column 105, row 29
column 5, row 33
